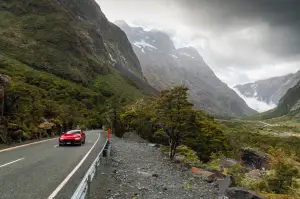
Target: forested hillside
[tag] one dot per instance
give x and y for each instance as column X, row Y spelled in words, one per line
column 65, row 63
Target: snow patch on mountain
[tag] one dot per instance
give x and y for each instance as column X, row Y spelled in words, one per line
column 186, row 54
column 143, row 44
column 254, row 103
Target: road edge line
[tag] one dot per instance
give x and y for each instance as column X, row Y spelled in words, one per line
column 64, row 182
column 6, row 164
column 24, row 145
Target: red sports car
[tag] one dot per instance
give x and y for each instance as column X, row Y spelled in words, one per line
column 72, row 137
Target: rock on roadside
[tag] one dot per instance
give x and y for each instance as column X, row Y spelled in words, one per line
column 240, row 193
column 254, row 159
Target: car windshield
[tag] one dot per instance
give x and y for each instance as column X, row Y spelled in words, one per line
column 73, row 132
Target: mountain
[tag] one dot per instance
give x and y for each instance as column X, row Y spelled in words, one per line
column 164, row 66
column 66, row 63
column 289, row 104
column 269, row 90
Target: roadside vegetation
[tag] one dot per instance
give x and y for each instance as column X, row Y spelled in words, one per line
column 282, row 175
column 201, row 141
column 170, row 120
column 34, row 97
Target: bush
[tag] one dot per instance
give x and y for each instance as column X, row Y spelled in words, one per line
column 281, row 179
column 190, row 157
column 161, row 137
column 283, row 173
column 236, row 171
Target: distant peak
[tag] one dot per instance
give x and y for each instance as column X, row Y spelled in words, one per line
column 193, row 52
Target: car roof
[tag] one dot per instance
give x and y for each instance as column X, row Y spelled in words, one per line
column 73, row 131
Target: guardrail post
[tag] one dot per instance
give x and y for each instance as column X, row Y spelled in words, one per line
column 96, row 169
column 108, row 152
column 89, row 186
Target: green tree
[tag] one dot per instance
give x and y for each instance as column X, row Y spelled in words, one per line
column 174, row 113
column 139, row 116
column 113, row 115
column 170, row 120
column 283, row 173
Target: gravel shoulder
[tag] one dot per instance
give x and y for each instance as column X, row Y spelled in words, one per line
column 137, row 170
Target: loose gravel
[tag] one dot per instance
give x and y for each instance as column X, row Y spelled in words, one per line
column 138, row 170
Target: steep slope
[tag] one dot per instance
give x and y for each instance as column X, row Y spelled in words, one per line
column 165, row 66
column 270, row 90
column 73, row 39
column 289, row 104
column 66, row 62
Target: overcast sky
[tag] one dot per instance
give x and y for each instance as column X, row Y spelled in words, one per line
column 241, row 40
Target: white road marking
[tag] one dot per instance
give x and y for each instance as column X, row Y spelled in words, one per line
column 64, row 182
column 55, row 146
column 16, row 147
column 11, row 162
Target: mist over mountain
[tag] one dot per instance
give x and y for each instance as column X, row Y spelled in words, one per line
column 164, row 66
column 268, row 91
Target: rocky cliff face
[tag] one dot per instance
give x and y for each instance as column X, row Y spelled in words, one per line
column 164, row 66
column 71, row 39
column 270, row 90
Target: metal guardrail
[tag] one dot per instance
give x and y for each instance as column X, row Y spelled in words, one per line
column 83, row 190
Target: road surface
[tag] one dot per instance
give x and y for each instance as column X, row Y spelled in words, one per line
column 44, row 170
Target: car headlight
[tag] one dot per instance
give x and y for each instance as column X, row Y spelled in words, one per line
column 61, row 138
column 77, row 138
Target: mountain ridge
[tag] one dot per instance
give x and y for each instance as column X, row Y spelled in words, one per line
column 164, row 66
column 269, row 90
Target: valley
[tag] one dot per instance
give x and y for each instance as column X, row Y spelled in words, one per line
column 64, row 65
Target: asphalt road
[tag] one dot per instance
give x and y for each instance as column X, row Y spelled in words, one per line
column 45, row 170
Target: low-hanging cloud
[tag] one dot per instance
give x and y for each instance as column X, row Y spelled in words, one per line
column 242, row 40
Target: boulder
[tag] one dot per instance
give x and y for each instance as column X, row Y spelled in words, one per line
column 224, row 184
column 228, row 162
column 218, row 173
column 209, row 176
column 254, row 159
column 240, row 193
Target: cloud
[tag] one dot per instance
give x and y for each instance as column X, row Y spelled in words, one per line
column 241, row 40
column 256, row 104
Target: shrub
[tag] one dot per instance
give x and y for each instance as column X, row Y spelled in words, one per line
column 161, row 137
column 236, row 171
column 283, row 173
column 190, row 157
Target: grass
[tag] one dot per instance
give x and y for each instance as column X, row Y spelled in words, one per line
column 258, row 136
